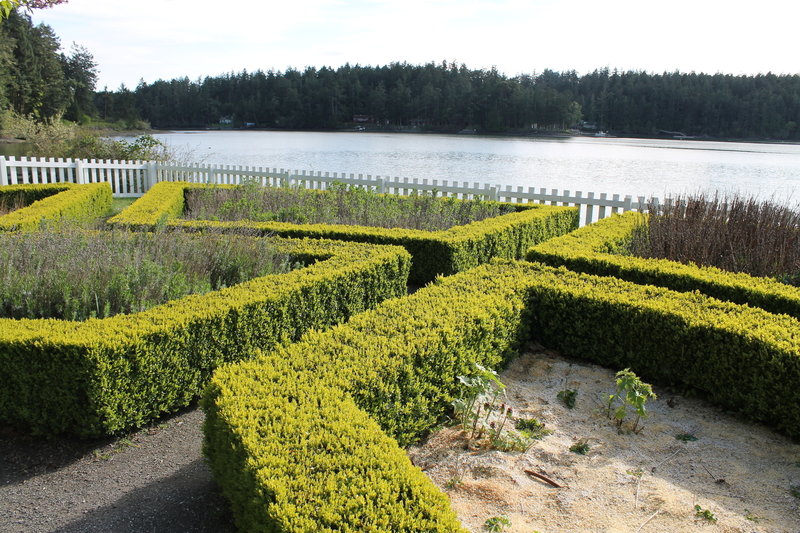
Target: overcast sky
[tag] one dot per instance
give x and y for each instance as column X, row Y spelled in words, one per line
column 152, row 39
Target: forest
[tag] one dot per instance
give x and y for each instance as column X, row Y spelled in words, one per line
column 37, row 79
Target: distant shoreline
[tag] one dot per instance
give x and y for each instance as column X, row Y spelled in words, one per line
column 539, row 135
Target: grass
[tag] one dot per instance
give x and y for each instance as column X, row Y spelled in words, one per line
column 734, row 233
column 74, row 275
column 338, row 205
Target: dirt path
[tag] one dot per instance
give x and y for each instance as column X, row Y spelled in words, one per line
column 742, row 474
column 153, row 480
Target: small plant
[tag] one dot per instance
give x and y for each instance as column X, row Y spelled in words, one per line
column 635, row 473
column 581, row 447
column 794, row 490
column 454, row 483
column 483, row 385
column 631, row 393
column 704, row 514
column 751, row 516
column 567, row 397
column 531, row 428
column 496, row 523
column 686, row 437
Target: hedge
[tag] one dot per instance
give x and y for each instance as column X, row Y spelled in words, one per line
column 434, row 253
column 293, row 454
column 31, row 193
column 56, row 203
column 600, row 248
column 399, row 363
column 103, row 376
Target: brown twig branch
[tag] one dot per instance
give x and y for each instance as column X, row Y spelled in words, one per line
column 543, row 478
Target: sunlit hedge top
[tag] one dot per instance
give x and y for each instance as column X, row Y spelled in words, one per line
column 601, row 248
column 56, row 204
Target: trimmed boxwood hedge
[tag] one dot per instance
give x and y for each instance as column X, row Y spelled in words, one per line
column 434, row 252
column 285, row 454
column 103, row 376
column 53, row 204
column 600, row 248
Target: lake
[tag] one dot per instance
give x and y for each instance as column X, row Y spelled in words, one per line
column 612, row 165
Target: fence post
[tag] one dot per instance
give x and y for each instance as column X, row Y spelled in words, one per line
column 3, row 171
column 80, row 177
column 152, row 175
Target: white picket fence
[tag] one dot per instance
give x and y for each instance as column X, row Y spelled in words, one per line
column 134, row 178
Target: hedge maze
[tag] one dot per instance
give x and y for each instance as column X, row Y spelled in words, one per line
column 315, row 380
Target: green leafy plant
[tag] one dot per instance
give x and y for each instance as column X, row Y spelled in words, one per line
column 496, row 523
column 631, row 393
column 581, row 447
column 531, row 428
column 482, row 385
column 752, row 516
column 704, row 514
column 794, row 490
column 567, row 397
column 686, row 437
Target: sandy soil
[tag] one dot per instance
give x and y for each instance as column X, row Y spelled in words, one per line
column 741, row 473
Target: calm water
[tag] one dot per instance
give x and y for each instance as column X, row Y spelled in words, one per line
column 611, row 165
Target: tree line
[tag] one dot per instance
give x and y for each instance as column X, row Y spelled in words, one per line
column 39, row 80
column 450, row 97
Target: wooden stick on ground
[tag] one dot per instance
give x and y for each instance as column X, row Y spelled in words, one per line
column 543, row 478
column 646, row 521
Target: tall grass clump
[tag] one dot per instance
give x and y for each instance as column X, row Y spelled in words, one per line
column 11, row 203
column 338, row 205
column 734, row 233
column 74, row 275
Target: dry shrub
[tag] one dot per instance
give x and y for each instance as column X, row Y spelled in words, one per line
column 734, row 233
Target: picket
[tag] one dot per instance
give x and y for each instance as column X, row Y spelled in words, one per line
column 134, row 178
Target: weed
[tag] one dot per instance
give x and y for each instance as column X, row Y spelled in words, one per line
column 631, row 393
column 704, row 514
column 567, row 397
column 480, row 414
column 794, row 490
column 635, row 473
column 752, row 517
column 454, row 483
column 686, row 437
column 483, row 385
column 531, row 428
column 496, row 523
column 581, row 447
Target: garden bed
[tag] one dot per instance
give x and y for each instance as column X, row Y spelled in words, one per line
column 434, row 253
column 75, row 275
column 746, row 476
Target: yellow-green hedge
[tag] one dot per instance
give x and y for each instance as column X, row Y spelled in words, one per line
column 599, row 249
column 31, row 193
column 433, row 252
column 293, row 454
column 106, row 375
column 56, row 203
column 271, row 438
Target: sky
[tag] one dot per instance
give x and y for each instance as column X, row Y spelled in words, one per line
column 164, row 39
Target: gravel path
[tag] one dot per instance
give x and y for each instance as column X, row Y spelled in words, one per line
column 152, row 480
